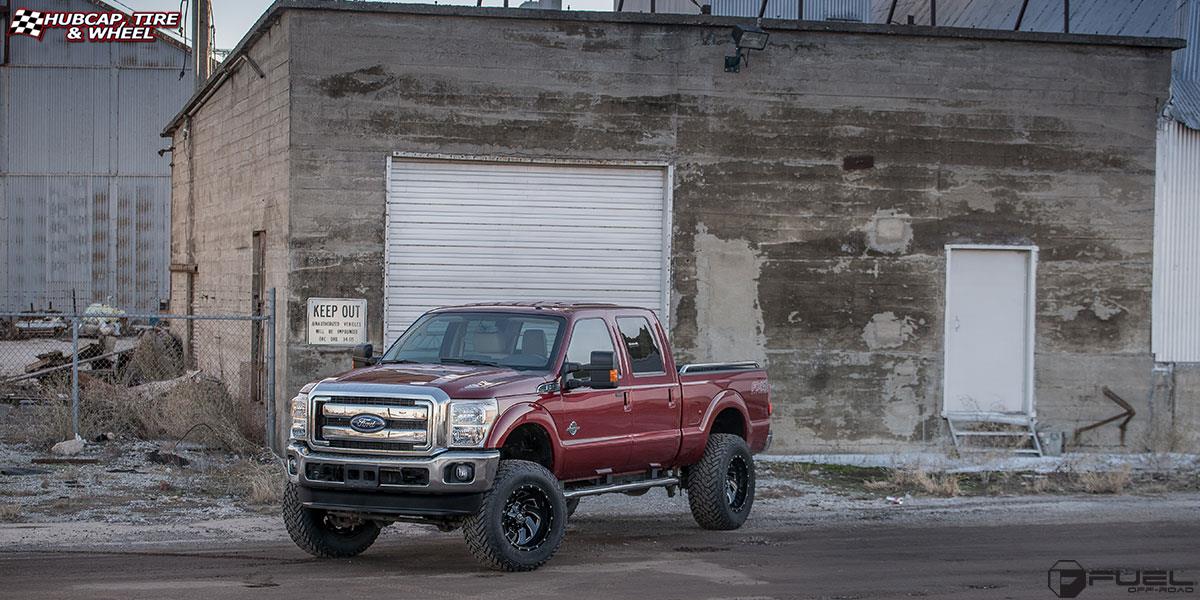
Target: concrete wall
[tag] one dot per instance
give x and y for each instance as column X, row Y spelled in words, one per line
column 781, row 249
column 230, row 179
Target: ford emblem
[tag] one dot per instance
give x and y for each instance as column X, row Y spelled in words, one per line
column 365, row 423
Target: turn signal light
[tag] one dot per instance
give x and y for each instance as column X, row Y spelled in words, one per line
column 612, row 376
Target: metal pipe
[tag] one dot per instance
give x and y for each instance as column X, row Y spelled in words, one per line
column 892, row 11
column 75, row 376
column 1066, row 16
column 620, row 4
column 762, row 9
column 933, row 13
column 799, row 10
column 1021, row 15
column 270, row 396
column 652, row 7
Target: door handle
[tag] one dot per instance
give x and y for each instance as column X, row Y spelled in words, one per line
column 627, row 407
column 670, row 398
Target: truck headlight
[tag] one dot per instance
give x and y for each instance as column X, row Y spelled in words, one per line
column 469, row 422
column 300, row 417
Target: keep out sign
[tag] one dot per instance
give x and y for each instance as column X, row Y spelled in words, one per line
column 337, row 321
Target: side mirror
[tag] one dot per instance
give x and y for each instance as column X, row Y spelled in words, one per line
column 566, row 382
column 602, row 371
column 363, row 355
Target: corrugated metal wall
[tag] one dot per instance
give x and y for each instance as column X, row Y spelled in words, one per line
column 1176, row 335
column 84, row 196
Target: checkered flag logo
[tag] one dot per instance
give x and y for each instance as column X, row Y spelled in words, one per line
column 27, row 22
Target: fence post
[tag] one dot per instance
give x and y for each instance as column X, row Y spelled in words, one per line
column 75, row 375
column 270, row 395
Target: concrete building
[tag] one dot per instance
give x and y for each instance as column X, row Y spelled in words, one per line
column 84, row 191
column 901, row 222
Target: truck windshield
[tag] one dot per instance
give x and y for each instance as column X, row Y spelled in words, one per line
column 513, row 340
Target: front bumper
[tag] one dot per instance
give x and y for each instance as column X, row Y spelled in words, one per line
column 391, row 474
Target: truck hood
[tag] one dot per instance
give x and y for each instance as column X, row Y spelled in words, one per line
column 458, row 381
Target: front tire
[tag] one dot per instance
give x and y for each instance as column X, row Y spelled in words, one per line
column 522, row 520
column 721, row 486
column 324, row 535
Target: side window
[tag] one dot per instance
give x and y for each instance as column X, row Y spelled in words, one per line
column 591, row 340
column 643, row 351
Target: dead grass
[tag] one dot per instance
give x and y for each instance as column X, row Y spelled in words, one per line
column 256, row 481
column 10, row 513
column 199, row 407
column 1105, row 482
column 936, row 484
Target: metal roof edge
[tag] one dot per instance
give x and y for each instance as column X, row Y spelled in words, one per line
column 1184, row 105
column 271, row 14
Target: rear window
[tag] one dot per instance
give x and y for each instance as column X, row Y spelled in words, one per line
column 639, row 341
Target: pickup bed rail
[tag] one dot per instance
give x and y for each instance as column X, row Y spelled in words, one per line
column 715, row 367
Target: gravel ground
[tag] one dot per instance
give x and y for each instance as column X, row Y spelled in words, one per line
column 126, row 499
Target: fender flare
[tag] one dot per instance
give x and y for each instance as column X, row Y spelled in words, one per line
column 525, row 413
column 727, row 398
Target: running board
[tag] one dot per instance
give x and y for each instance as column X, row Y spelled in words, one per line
column 622, row 487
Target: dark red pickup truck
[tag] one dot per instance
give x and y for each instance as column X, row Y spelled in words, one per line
column 498, row 418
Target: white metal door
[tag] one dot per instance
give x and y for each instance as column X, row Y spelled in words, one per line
column 464, row 231
column 989, row 330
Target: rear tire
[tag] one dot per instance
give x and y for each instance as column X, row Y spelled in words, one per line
column 522, row 520
column 321, row 534
column 721, row 486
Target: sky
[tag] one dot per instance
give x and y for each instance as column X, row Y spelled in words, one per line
column 233, row 18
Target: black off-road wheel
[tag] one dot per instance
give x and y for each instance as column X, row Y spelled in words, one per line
column 721, row 486
column 322, row 534
column 522, row 520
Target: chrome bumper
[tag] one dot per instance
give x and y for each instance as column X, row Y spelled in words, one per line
column 484, row 463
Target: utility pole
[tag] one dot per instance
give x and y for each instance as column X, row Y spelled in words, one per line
column 202, row 40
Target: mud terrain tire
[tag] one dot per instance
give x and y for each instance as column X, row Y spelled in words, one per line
column 721, row 486
column 317, row 535
column 522, row 520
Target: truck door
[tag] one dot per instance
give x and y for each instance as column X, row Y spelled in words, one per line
column 595, row 426
column 653, row 394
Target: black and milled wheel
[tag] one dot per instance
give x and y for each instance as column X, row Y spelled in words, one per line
column 324, row 535
column 522, row 520
column 721, row 486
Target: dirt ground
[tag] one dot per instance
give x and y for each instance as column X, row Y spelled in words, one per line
column 131, row 522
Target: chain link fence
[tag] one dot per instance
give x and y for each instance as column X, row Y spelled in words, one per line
column 93, row 374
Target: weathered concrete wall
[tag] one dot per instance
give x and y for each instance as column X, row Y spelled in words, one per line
column 813, row 195
column 230, row 179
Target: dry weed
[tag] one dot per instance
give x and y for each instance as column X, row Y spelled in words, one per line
column 257, row 482
column 10, row 513
column 1106, row 482
column 200, row 408
column 937, row 484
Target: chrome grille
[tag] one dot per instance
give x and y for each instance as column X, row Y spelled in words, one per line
column 407, row 424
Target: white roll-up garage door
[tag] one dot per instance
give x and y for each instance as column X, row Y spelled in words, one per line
column 465, row 231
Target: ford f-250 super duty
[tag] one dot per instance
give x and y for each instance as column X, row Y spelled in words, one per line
column 498, row 418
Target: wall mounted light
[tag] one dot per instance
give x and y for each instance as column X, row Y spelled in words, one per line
column 745, row 37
